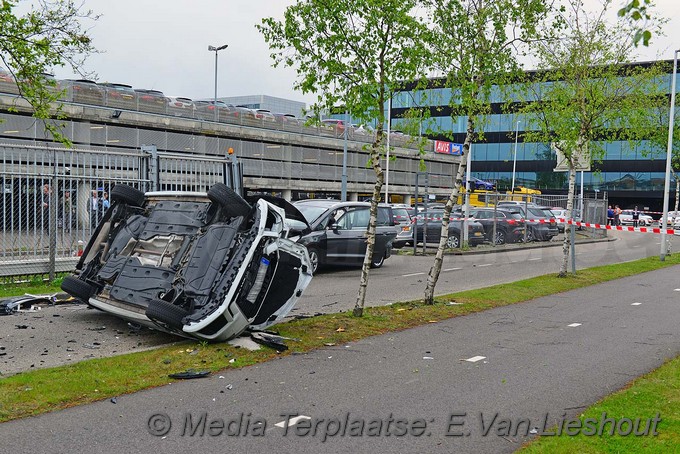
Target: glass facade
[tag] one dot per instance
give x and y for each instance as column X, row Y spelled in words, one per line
column 629, row 171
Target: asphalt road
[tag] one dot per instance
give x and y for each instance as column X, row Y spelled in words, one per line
column 435, row 388
column 403, row 278
column 70, row 333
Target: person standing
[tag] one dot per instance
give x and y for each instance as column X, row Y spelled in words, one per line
column 610, row 215
column 95, row 207
column 45, row 207
column 105, row 201
column 617, row 215
column 636, row 217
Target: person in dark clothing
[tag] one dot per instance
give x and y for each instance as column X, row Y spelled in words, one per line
column 610, row 215
column 636, row 217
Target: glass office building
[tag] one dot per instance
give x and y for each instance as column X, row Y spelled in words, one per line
column 630, row 173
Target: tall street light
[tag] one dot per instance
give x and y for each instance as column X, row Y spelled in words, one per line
column 216, row 49
column 387, row 161
column 514, row 159
column 343, row 190
column 669, row 152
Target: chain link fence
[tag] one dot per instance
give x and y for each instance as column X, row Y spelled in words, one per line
column 53, row 198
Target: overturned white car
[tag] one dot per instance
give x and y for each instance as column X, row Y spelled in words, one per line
column 198, row 265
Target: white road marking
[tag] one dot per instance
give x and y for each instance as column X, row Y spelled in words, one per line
column 474, row 359
column 677, row 290
column 574, row 325
column 292, row 421
column 538, row 258
column 484, row 264
column 636, row 304
column 412, row 274
column 453, row 269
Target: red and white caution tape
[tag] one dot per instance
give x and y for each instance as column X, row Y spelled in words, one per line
column 618, row 227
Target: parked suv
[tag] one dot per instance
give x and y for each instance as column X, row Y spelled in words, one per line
column 433, row 228
column 199, row 265
column 338, row 232
column 541, row 223
column 509, row 224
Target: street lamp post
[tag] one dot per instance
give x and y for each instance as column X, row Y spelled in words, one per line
column 387, row 161
column 216, row 49
column 514, row 158
column 343, row 193
column 669, row 152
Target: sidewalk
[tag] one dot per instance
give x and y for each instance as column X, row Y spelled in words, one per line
column 442, row 387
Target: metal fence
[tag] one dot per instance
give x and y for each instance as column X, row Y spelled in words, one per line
column 53, row 198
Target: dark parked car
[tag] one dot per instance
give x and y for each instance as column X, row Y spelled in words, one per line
column 120, row 95
column 82, row 91
column 338, row 232
column 199, row 265
column 152, row 101
column 455, row 239
column 509, row 224
column 541, row 223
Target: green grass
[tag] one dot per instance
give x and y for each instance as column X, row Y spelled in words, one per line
column 655, row 393
column 45, row 390
column 33, row 287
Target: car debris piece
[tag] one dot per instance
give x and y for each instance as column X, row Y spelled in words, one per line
column 189, row 374
column 23, row 303
column 199, row 265
column 270, row 340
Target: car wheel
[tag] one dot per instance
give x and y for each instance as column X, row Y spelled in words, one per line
column 232, row 203
column 453, row 242
column 377, row 262
column 530, row 235
column 166, row 313
column 500, row 237
column 77, row 288
column 127, row 195
column 314, row 259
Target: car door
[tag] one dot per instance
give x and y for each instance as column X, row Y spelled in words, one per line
column 346, row 237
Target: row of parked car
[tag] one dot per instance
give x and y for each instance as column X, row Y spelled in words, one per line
column 123, row 96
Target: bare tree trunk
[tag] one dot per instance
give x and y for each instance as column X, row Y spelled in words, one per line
column 358, row 310
column 433, row 275
column 566, row 244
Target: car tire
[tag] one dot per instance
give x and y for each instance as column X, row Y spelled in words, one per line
column 530, row 235
column 377, row 262
column 500, row 237
column 314, row 259
column 453, row 242
column 127, row 195
column 77, row 288
column 166, row 313
column 232, row 203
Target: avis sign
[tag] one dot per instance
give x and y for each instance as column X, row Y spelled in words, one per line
column 455, row 149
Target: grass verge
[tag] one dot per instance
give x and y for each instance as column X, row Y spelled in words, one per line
column 652, row 395
column 39, row 391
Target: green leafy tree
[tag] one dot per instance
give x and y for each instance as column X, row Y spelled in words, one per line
column 49, row 34
column 354, row 52
column 638, row 14
column 588, row 93
column 476, row 44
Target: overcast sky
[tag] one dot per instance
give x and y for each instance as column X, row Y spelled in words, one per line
column 164, row 45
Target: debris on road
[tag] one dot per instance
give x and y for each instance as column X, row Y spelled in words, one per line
column 189, row 374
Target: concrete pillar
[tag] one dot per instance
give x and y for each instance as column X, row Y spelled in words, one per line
column 287, row 194
column 407, row 199
column 353, row 196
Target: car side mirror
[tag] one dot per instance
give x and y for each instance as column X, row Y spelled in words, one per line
column 334, row 227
